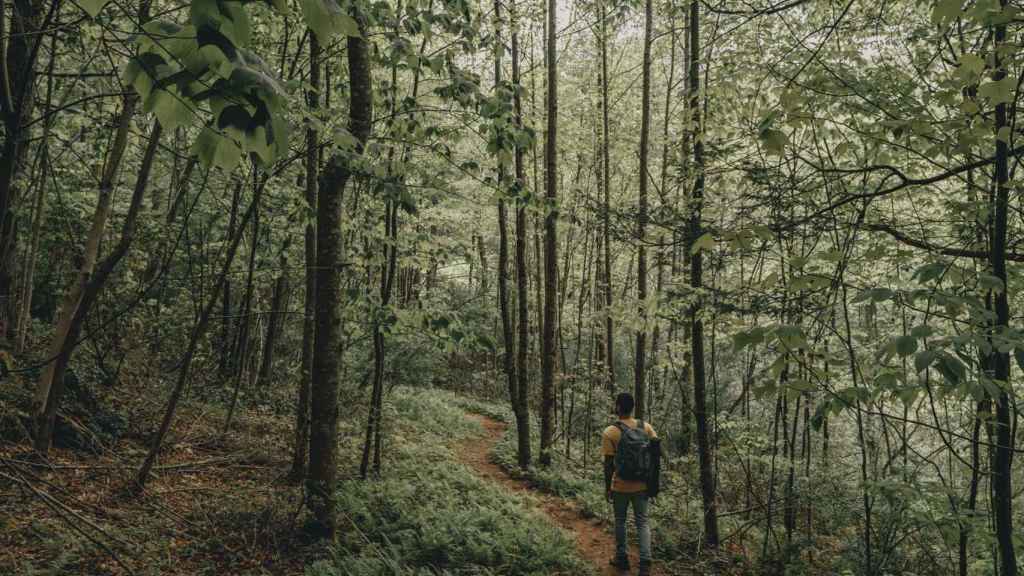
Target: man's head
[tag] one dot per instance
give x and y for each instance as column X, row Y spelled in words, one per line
column 624, row 404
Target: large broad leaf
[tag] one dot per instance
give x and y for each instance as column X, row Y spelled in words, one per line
column 214, row 149
column 999, row 91
column 170, row 108
column 228, row 17
column 174, row 42
column 775, row 141
column 905, row 345
column 705, row 242
column 946, row 10
column 327, row 19
column 92, row 7
column 792, row 337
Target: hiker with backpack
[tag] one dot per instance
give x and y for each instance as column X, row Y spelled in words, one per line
column 632, row 453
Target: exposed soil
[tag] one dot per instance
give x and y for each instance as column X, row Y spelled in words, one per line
column 594, row 539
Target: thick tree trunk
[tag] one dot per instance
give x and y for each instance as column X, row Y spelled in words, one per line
column 326, row 360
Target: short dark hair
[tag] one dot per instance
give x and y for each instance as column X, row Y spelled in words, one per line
column 624, row 404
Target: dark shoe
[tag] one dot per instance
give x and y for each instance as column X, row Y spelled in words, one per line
column 645, row 568
column 620, row 563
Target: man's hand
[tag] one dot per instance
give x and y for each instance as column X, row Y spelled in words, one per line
column 608, row 495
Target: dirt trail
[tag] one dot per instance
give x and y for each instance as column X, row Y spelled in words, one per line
column 594, row 541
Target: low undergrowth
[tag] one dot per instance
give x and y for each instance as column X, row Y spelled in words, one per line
column 429, row 514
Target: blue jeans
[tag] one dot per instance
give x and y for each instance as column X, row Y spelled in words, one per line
column 621, row 502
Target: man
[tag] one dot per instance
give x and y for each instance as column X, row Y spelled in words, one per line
column 626, row 492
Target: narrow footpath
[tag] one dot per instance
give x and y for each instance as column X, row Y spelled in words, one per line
column 594, row 540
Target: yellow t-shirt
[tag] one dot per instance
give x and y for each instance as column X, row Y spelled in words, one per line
column 610, row 442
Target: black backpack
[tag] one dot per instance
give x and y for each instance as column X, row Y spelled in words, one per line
column 633, row 455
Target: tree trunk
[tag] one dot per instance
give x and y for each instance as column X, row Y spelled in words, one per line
column 309, row 316
column 705, row 449
column 75, row 306
column 245, row 347
column 609, row 338
column 18, row 79
column 522, row 400
column 507, row 328
column 548, row 338
column 24, row 306
column 277, row 310
column 326, row 361
column 640, row 366
column 1002, row 465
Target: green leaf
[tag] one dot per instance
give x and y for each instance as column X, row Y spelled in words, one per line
column 998, row 91
column 92, row 7
column 972, row 63
column 922, row 331
column 951, row 368
column 775, row 141
column 170, row 108
column 923, row 360
column 945, row 11
column 990, row 282
column 792, row 337
column 327, row 19
column 348, row 26
column 746, row 338
column 213, row 149
column 705, row 242
column 905, row 345
column 930, row 272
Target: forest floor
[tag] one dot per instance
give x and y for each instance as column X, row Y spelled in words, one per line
column 594, row 541
column 221, row 504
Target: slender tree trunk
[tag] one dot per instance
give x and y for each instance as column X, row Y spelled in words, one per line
column 326, row 361
column 309, row 317
column 244, row 339
column 705, row 448
column 507, row 328
column 1002, row 466
column 548, row 338
column 640, row 367
column 609, row 337
column 277, row 310
column 522, row 400
column 24, row 319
